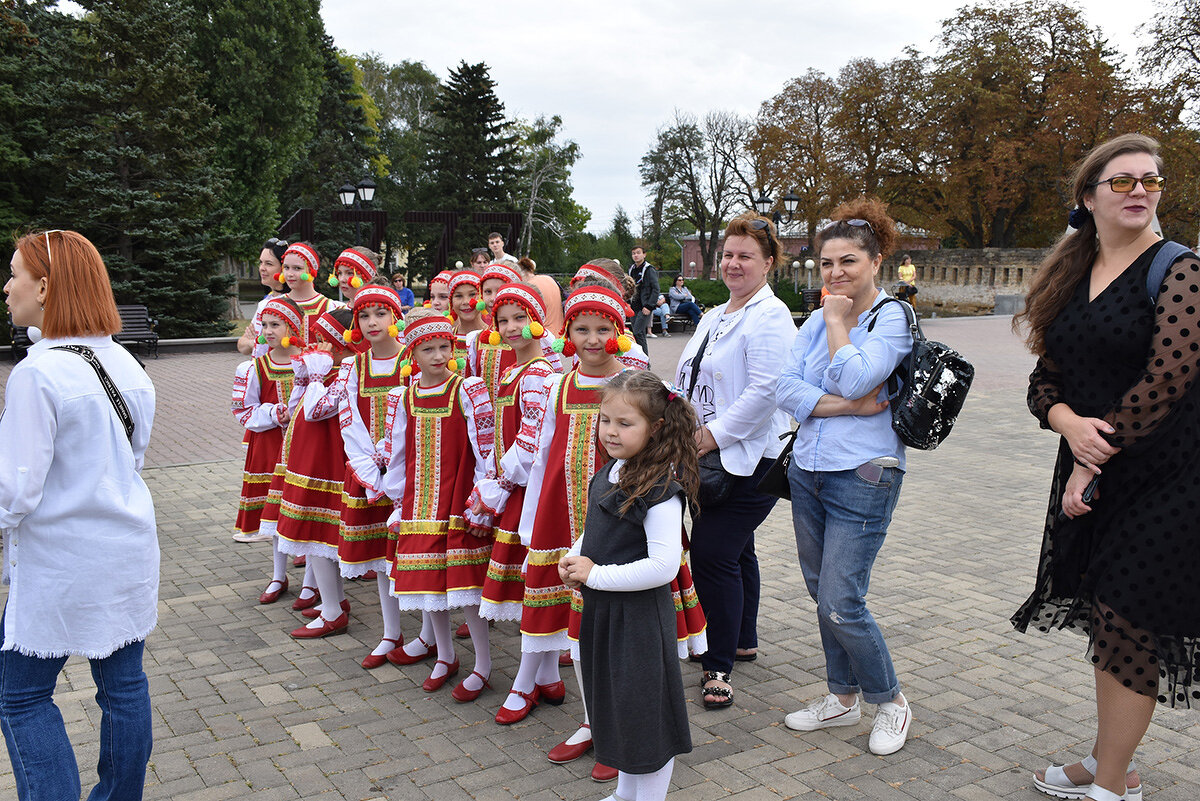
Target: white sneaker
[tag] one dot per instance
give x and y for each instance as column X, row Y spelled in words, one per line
column 823, row 714
column 890, row 729
column 652, row 336
column 240, row 537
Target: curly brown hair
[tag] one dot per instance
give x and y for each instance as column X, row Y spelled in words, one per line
column 877, row 238
column 671, row 451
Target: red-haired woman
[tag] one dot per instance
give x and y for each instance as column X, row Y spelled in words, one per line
column 78, row 408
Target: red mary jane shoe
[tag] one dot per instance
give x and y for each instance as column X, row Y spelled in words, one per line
column 312, row 613
column 270, row 596
column 373, row 661
column 399, row 658
column 565, row 660
column 603, row 773
column 432, row 685
column 328, row 628
column 506, row 716
column 552, row 694
column 461, row 694
column 309, row 602
column 562, row 753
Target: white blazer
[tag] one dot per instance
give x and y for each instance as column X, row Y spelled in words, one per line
column 746, row 361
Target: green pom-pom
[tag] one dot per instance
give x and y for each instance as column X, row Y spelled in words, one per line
column 332, row 280
column 400, row 324
column 557, row 347
column 480, row 305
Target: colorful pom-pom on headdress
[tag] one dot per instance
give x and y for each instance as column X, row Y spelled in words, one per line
column 364, row 268
column 502, row 272
column 292, row 317
column 312, row 262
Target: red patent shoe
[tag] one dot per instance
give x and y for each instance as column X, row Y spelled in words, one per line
column 552, row 694
column 328, row 628
column 309, row 602
column 463, row 695
column 603, row 773
column 463, row 632
column 565, row 660
column 312, row 613
column 508, row 716
column 562, row 753
column 370, row 575
column 373, row 661
column 300, row 561
column 398, row 657
column 432, row 685
column 270, row 596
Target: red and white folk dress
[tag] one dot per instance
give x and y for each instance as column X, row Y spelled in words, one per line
column 364, row 543
column 315, row 465
column 261, row 389
column 438, row 443
column 520, row 408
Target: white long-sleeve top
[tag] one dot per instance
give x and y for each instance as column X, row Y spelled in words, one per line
column 664, row 547
column 247, row 405
column 362, row 453
column 80, row 542
column 320, row 401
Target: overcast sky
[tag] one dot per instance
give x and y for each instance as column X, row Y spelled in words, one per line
column 616, row 70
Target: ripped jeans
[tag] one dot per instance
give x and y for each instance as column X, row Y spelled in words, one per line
column 840, row 520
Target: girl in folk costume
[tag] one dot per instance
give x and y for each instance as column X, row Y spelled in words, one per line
column 623, row 564
column 439, row 292
column 354, row 268
column 315, row 466
column 608, row 271
column 488, row 356
column 262, row 389
column 366, row 380
column 301, row 264
column 520, row 404
column 437, row 444
column 467, row 309
column 566, row 456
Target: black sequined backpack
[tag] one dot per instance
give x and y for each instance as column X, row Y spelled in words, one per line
column 927, row 390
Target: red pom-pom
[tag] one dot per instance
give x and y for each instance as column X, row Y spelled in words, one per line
column 611, row 346
column 279, row 278
column 568, row 348
column 356, row 335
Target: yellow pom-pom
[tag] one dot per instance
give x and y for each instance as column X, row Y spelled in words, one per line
column 347, row 337
column 356, row 282
column 427, row 304
column 406, row 371
column 393, row 331
column 286, row 342
column 624, row 343
column 494, row 338
column 453, row 365
column 537, row 329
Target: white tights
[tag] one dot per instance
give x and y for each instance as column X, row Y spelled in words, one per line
column 537, row 667
column 391, row 616
column 644, row 786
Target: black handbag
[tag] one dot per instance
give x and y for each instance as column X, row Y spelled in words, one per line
column 715, row 481
column 927, row 389
column 775, row 480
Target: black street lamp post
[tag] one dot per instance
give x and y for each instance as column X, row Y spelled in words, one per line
column 764, row 204
column 353, row 197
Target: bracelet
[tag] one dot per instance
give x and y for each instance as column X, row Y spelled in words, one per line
column 1081, row 464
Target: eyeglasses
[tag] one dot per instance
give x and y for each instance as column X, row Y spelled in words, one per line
column 49, row 258
column 1124, row 184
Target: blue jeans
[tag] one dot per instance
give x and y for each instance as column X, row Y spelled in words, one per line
column 690, row 309
column 42, row 760
column 840, row 520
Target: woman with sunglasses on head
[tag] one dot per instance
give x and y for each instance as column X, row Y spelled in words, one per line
column 728, row 371
column 270, row 265
column 847, row 466
column 80, row 545
column 1118, row 347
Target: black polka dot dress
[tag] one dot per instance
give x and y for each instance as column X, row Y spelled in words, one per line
column 1128, row 573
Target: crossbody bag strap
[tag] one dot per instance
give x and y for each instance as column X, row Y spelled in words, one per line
column 110, row 389
column 699, row 357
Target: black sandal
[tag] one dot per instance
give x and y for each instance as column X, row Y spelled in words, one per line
column 725, row 694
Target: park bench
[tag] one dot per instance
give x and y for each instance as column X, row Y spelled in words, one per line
column 137, row 327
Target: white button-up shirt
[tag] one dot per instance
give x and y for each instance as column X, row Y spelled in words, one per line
column 80, row 542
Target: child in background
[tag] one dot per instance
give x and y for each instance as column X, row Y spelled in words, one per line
column 262, row 389
column 556, row 497
column 623, row 564
column 608, row 271
column 311, row 504
column 354, row 268
column 437, row 444
column 366, row 380
column 467, row 310
column 439, row 292
column 520, row 404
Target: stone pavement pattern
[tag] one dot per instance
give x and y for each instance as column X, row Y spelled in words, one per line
column 244, row 711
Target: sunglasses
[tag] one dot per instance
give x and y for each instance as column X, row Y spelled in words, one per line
column 763, row 225
column 1124, row 184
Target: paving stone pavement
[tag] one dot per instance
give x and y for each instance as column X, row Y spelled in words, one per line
column 242, row 710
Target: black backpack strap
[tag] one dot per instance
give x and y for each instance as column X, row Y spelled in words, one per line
column 904, row 368
column 1167, row 255
column 110, row 389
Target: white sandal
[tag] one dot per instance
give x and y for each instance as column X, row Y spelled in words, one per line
column 1058, row 785
column 1097, row 793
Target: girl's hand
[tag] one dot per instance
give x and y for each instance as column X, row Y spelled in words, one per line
column 481, row 532
column 1083, row 435
column 325, row 346
column 1072, row 501
column 704, row 441
column 574, row 570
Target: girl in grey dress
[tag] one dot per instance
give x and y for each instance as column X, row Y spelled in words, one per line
column 623, row 564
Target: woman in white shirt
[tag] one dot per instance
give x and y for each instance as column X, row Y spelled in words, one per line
column 80, row 543
column 729, row 369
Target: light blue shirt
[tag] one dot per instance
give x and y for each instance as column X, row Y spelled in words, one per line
column 828, row 444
